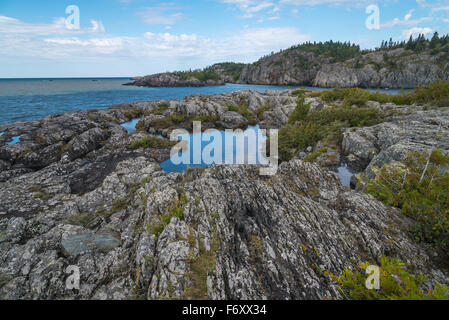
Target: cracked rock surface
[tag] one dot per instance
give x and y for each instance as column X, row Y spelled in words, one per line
column 73, row 194
column 262, row 238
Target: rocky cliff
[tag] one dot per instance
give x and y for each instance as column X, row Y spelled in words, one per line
column 329, row 64
column 74, row 194
column 393, row 69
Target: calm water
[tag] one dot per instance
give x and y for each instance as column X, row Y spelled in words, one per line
column 33, row 99
column 130, row 126
column 345, row 173
column 205, row 149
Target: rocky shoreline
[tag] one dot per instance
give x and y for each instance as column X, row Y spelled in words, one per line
column 75, row 194
column 171, row 80
column 393, row 69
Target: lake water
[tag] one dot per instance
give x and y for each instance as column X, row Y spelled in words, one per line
column 33, row 99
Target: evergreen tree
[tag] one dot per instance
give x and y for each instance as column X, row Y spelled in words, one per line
column 435, row 40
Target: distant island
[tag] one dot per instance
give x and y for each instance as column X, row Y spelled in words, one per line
column 394, row 65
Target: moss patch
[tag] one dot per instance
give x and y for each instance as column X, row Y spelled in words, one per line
column 40, row 192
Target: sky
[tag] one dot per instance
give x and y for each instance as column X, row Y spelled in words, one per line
column 128, row 38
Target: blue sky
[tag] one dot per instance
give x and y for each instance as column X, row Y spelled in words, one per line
column 138, row 37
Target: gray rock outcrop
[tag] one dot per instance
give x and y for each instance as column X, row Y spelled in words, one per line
column 393, row 69
column 418, row 130
column 75, row 195
column 171, row 80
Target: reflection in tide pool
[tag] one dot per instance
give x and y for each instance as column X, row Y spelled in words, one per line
column 345, row 173
column 14, row 140
column 130, row 126
column 233, row 148
column 156, row 135
column 1, row 133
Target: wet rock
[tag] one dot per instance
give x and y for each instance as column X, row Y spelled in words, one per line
column 84, row 243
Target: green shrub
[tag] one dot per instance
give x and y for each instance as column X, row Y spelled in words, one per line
column 359, row 117
column 177, row 118
column 199, row 267
column 161, row 108
column 326, row 124
column 120, row 204
column 301, row 92
column 396, row 283
column 161, row 123
column 229, row 68
column 241, row 109
column 26, row 151
column 175, row 209
column 201, row 75
column 133, row 113
column 262, row 110
column 301, row 111
column 82, row 219
column 297, row 137
column 140, row 126
column 41, row 140
column 436, row 94
column 167, row 122
column 314, row 155
column 421, row 190
column 4, row 279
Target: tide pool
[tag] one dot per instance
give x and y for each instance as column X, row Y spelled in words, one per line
column 130, row 126
column 345, row 173
column 14, row 140
column 238, row 147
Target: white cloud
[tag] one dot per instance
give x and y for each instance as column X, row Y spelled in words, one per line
column 254, row 8
column 406, row 22
column 11, row 25
column 437, row 9
column 97, row 26
column 409, row 15
column 162, row 14
column 415, row 32
column 53, row 41
column 328, row 2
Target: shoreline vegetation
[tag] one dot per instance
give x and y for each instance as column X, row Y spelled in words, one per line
column 351, row 108
column 321, row 64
